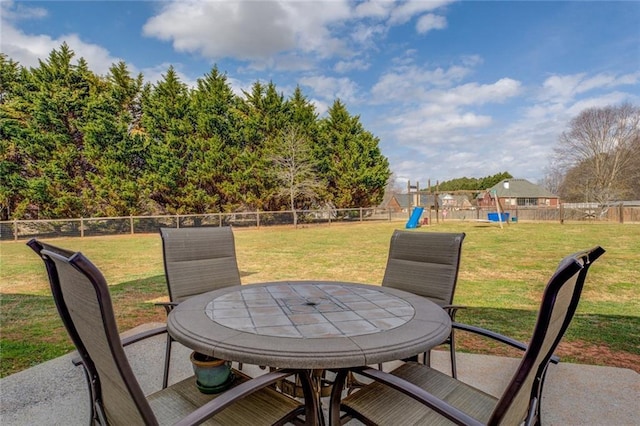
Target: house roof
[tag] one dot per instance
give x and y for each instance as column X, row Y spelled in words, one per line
column 520, row 188
column 459, row 198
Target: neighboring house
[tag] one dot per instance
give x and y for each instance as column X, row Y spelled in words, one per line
column 456, row 201
column 514, row 193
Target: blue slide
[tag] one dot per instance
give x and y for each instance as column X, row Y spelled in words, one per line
column 414, row 220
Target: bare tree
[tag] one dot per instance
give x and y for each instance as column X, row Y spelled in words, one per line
column 293, row 169
column 393, row 187
column 552, row 179
column 603, row 144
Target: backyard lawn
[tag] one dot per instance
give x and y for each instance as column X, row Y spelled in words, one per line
column 502, row 275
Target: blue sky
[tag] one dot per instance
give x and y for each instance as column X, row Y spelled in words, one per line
column 451, row 88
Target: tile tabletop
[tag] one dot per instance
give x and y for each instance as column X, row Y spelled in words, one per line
column 314, row 310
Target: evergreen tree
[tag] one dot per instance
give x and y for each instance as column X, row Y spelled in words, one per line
column 350, row 160
column 55, row 95
column 301, row 113
column 115, row 145
column 13, row 158
column 166, row 123
column 214, row 143
column 265, row 115
column 473, row 184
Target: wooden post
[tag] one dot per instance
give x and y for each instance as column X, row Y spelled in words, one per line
column 495, row 194
column 430, row 191
column 621, row 212
column 436, row 202
column 409, row 198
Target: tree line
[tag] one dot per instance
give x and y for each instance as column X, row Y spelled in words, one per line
column 473, row 184
column 76, row 144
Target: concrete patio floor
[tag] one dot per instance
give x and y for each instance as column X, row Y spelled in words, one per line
column 55, row 392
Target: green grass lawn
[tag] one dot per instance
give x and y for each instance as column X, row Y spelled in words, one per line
column 502, row 275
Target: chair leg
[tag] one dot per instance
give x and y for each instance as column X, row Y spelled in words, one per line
column 167, row 360
column 426, row 358
column 92, row 395
column 452, row 350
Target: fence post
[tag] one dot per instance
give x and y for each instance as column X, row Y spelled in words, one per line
column 131, row 224
column 15, row 229
column 621, row 212
column 257, row 218
column 177, row 221
column 360, row 214
column 81, row 227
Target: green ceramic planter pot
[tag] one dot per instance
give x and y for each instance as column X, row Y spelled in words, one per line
column 212, row 374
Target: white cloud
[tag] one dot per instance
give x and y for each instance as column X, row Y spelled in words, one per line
column 249, row 30
column 365, row 34
column 430, row 22
column 414, row 129
column 471, row 60
column 27, row 49
column 12, row 11
column 329, row 88
column 477, row 94
column 354, row 65
column 407, row 10
column 606, row 99
column 565, row 88
column 379, row 9
column 412, row 83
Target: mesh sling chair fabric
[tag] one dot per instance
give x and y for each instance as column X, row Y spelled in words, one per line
column 427, row 264
column 196, row 260
column 84, row 304
column 418, row 394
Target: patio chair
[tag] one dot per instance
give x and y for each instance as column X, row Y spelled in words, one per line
column 418, row 394
column 196, row 260
column 84, row 304
column 427, row 263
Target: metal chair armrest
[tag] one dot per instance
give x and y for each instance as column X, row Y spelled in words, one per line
column 496, row 336
column 452, row 310
column 168, row 306
column 230, row 396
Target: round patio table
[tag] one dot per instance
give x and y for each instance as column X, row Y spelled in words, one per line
column 309, row 324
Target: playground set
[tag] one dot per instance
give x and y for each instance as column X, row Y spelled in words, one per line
column 499, row 216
